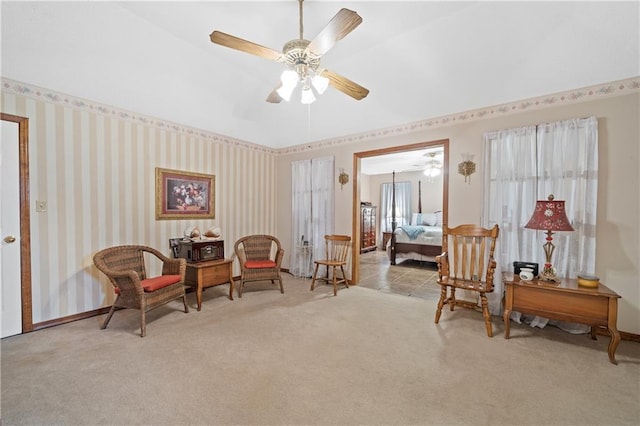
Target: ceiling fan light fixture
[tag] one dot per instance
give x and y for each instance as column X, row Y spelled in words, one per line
column 285, row 92
column 320, row 83
column 289, row 78
column 432, row 172
column 307, row 95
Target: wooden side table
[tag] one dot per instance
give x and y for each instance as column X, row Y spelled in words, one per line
column 564, row 301
column 208, row 274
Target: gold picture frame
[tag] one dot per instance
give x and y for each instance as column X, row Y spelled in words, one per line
column 184, row 195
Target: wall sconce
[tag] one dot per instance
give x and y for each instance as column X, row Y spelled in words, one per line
column 343, row 178
column 467, row 167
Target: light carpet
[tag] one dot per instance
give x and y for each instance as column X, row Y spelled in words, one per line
column 364, row 357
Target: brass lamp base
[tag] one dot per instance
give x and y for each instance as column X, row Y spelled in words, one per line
column 549, row 274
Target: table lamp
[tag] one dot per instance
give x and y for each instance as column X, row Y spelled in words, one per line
column 549, row 215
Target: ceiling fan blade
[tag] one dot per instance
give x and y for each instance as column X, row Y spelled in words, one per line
column 340, row 25
column 274, row 97
column 237, row 43
column 345, row 85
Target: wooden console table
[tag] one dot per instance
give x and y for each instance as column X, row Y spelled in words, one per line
column 564, row 301
column 208, row 274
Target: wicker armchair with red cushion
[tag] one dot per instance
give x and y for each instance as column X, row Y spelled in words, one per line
column 125, row 267
column 260, row 257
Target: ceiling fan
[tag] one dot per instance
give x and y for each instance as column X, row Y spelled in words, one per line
column 302, row 58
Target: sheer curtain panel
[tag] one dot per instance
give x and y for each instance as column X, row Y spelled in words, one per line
column 528, row 164
column 403, row 205
column 312, row 211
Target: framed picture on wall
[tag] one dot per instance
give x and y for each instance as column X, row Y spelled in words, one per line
column 184, row 195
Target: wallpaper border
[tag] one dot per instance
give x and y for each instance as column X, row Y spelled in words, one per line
column 610, row 89
column 585, row 94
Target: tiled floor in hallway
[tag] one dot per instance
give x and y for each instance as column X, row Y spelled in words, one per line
column 408, row 277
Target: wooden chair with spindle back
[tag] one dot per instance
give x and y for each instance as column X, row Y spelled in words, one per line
column 467, row 263
column 337, row 249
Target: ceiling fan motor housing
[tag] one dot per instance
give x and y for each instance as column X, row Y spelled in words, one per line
column 298, row 58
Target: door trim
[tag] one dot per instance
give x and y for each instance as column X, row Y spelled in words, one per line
column 355, row 222
column 25, row 219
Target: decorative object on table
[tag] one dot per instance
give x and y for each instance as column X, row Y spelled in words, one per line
column 201, row 250
column 343, row 178
column 213, row 232
column 585, row 280
column 184, row 195
column 549, row 215
column 174, row 245
column 192, row 233
column 518, row 266
column 526, row 274
column 467, row 167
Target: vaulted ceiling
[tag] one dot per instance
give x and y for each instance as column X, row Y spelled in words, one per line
column 419, row 59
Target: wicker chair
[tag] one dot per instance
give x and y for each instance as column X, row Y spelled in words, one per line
column 125, row 268
column 467, row 263
column 337, row 248
column 260, row 257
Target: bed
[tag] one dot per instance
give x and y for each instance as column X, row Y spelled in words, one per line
column 421, row 240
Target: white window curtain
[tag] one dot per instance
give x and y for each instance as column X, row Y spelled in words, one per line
column 312, row 211
column 528, row 164
column 403, row 205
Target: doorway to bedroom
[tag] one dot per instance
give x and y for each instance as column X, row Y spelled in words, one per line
column 375, row 173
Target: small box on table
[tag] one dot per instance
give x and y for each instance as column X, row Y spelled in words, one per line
column 201, row 251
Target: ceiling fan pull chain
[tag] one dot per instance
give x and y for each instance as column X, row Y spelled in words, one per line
column 309, row 123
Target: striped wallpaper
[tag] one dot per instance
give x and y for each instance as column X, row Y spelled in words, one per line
column 96, row 171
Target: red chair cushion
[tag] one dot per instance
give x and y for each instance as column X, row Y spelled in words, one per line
column 156, row 283
column 257, row 264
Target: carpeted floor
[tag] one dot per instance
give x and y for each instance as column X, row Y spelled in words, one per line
column 364, row 357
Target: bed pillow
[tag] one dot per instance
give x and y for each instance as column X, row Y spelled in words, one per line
column 416, row 219
column 438, row 215
column 429, row 219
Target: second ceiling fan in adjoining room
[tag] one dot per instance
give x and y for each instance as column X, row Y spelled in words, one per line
column 302, row 59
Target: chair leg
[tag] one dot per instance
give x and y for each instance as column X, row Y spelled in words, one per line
column 485, row 314
column 143, row 323
column 313, row 279
column 443, row 298
column 184, row 300
column 452, row 299
column 344, row 276
column 108, row 318
column 281, row 288
column 240, row 288
column 335, row 281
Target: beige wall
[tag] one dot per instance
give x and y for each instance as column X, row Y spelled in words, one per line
column 94, row 165
column 95, row 168
column 618, row 223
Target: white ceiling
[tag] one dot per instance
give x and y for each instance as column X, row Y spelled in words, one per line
column 420, row 59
